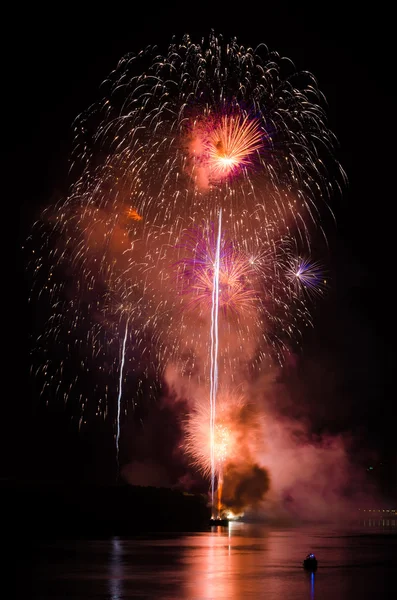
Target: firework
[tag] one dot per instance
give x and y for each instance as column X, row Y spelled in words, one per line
column 235, row 278
column 226, row 434
column 306, row 276
column 206, row 134
column 226, row 147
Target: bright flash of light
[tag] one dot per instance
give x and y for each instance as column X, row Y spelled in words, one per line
column 231, row 143
column 229, row 514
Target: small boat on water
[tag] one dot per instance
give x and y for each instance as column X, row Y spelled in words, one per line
column 310, row 562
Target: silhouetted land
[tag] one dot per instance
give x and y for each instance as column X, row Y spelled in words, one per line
column 58, row 510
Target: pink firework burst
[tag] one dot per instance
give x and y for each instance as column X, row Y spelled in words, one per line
column 237, row 277
column 225, row 145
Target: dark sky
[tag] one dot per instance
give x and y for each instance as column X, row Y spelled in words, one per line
column 57, row 63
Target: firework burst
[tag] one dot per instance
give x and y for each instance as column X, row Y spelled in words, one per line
column 306, row 276
column 176, row 141
column 227, row 146
column 237, row 278
column 226, row 434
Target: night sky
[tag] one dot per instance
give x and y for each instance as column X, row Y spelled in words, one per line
column 347, row 370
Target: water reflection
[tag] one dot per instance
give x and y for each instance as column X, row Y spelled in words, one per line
column 379, row 523
column 312, row 576
column 240, row 561
column 116, row 571
column 243, row 561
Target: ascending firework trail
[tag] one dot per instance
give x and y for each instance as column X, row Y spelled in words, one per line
column 120, row 393
column 214, row 354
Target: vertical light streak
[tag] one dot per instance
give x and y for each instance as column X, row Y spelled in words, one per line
column 214, row 355
column 120, row 392
column 220, row 489
column 312, row 586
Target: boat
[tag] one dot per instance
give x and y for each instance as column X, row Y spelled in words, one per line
column 310, row 562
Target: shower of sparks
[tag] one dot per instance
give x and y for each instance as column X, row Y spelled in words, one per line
column 214, row 448
column 198, row 176
column 228, row 146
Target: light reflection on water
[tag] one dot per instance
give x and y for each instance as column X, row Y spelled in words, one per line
column 116, row 571
column 312, row 576
column 244, row 561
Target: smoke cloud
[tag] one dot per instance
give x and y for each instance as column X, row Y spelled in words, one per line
column 244, row 486
column 279, row 468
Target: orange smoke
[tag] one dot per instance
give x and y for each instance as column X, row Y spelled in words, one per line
column 133, row 214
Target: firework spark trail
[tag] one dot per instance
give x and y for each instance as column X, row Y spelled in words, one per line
column 120, row 392
column 214, row 354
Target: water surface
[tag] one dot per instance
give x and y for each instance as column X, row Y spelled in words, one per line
column 244, row 561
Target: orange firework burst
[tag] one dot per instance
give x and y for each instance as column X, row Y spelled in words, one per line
column 226, row 433
column 230, row 144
